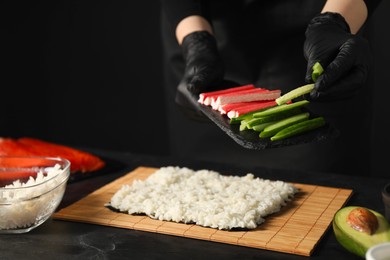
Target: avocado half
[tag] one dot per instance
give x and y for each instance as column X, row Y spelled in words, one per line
column 358, row 242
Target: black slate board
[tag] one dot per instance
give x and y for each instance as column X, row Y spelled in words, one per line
column 250, row 139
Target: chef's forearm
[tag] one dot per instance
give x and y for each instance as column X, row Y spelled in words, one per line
column 191, row 24
column 186, row 16
column 355, row 12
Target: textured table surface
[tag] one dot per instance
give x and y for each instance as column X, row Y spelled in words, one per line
column 57, row 239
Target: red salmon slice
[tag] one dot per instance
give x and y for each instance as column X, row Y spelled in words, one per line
column 207, row 97
column 258, row 94
column 9, row 176
column 80, row 161
column 10, row 147
column 19, row 163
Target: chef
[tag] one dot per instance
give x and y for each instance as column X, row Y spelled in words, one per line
column 274, row 45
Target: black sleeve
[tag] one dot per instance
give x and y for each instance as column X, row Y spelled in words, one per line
column 371, row 6
column 177, row 10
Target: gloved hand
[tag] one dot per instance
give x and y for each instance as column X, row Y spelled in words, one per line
column 345, row 57
column 203, row 65
column 204, row 71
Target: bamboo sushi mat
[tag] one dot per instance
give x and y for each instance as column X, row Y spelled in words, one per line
column 296, row 229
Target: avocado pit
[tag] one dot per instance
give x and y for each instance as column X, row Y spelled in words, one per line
column 363, row 220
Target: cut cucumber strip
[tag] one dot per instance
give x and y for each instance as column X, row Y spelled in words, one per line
column 273, row 117
column 237, row 120
column 243, row 126
column 299, row 128
column 272, row 129
column 281, row 108
column 305, row 89
column 317, row 71
column 300, row 91
column 260, row 127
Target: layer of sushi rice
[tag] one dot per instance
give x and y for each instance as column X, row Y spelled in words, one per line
column 204, row 197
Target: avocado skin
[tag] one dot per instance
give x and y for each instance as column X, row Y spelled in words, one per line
column 354, row 241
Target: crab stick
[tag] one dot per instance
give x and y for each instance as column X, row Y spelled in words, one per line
column 207, row 97
column 236, row 112
column 257, row 94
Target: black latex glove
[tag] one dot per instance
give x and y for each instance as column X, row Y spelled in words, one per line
column 345, row 57
column 204, row 71
column 203, row 65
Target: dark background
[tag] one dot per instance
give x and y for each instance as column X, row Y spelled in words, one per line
column 84, row 73
column 89, row 74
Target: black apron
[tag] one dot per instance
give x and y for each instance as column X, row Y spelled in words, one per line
column 261, row 42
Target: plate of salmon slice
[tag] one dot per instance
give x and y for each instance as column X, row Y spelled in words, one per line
column 83, row 164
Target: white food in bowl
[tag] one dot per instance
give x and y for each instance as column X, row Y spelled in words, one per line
column 26, row 205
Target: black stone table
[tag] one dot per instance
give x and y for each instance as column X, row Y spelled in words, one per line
column 57, row 239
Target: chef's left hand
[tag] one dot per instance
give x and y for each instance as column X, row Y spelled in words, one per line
column 345, row 57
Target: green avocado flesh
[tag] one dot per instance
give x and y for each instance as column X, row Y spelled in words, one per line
column 355, row 241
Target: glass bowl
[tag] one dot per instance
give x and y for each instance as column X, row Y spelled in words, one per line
column 31, row 188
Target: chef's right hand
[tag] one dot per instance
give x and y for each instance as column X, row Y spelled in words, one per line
column 345, row 57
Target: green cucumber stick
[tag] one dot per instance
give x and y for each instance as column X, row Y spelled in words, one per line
column 260, row 127
column 273, row 117
column 243, row 126
column 305, row 89
column 237, row 120
column 299, row 128
column 272, row 129
column 281, row 108
column 317, row 71
column 297, row 92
